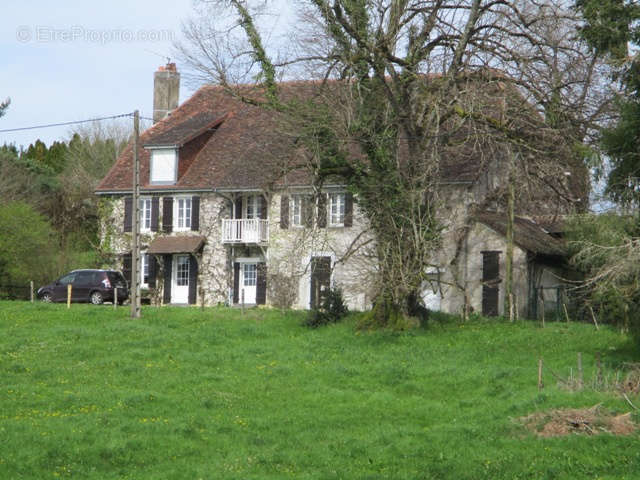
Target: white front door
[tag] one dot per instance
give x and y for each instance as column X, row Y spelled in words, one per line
column 248, row 280
column 180, row 279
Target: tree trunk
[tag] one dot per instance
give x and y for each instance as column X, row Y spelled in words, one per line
column 508, row 280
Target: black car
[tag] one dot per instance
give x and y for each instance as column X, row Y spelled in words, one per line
column 95, row 286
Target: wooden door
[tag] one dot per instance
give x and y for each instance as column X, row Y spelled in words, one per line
column 490, row 283
column 320, row 280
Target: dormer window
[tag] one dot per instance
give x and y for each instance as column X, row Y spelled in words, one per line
column 164, row 166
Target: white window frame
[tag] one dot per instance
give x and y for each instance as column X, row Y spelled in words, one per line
column 178, row 277
column 180, row 207
column 252, row 201
column 145, row 214
column 297, row 219
column 253, row 277
column 144, row 265
column 337, row 202
column 162, row 156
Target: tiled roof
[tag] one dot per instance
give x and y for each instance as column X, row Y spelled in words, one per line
column 526, row 233
column 231, row 144
column 185, row 131
column 176, row 244
column 244, row 151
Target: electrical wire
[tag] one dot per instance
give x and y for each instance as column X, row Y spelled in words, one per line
column 61, row 124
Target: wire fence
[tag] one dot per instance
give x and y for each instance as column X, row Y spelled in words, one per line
column 15, row 292
column 559, row 303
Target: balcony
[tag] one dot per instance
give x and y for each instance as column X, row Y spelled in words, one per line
column 245, row 230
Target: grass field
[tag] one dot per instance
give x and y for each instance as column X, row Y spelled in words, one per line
column 214, row 394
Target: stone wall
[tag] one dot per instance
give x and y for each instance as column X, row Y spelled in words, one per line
column 290, row 251
column 456, row 265
column 213, row 271
column 214, row 276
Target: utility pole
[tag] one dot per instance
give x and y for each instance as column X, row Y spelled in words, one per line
column 135, row 222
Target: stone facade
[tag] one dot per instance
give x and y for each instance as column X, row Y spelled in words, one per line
column 456, row 275
column 287, row 253
column 291, row 250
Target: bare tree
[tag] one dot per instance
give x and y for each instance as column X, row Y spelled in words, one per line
column 404, row 85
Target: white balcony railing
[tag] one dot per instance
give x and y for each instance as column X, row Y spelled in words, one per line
column 245, row 230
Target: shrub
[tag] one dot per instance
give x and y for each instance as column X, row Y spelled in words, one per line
column 26, row 245
column 605, row 250
column 332, row 310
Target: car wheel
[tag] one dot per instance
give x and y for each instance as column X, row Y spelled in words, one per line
column 96, row 298
column 47, row 297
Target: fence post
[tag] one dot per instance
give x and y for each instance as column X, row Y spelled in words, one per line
column 580, row 382
column 115, row 298
column 69, row 295
column 31, row 290
column 242, row 300
column 540, row 384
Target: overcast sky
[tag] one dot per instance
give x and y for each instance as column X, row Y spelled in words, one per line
column 72, row 60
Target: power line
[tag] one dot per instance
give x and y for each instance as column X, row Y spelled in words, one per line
column 61, row 124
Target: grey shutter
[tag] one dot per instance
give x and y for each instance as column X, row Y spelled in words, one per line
column 153, row 270
column 193, row 279
column 322, row 210
column 238, row 208
column 126, row 268
column 166, row 260
column 167, row 214
column 236, row 282
column 261, row 283
column 155, row 213
column 348, row 209
column 195, row 213
column 128, row 207
column 284, row 212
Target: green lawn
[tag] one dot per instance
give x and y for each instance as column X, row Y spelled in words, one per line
column 214, row 394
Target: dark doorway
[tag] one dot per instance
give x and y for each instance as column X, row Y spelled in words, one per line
column 490, row 283
column 320, row 279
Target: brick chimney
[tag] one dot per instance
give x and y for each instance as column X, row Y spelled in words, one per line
column 166, row 91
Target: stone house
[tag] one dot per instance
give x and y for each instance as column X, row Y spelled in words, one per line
column 223, row 220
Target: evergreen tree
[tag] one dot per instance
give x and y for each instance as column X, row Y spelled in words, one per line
column 610, row 26
column 3, row 106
